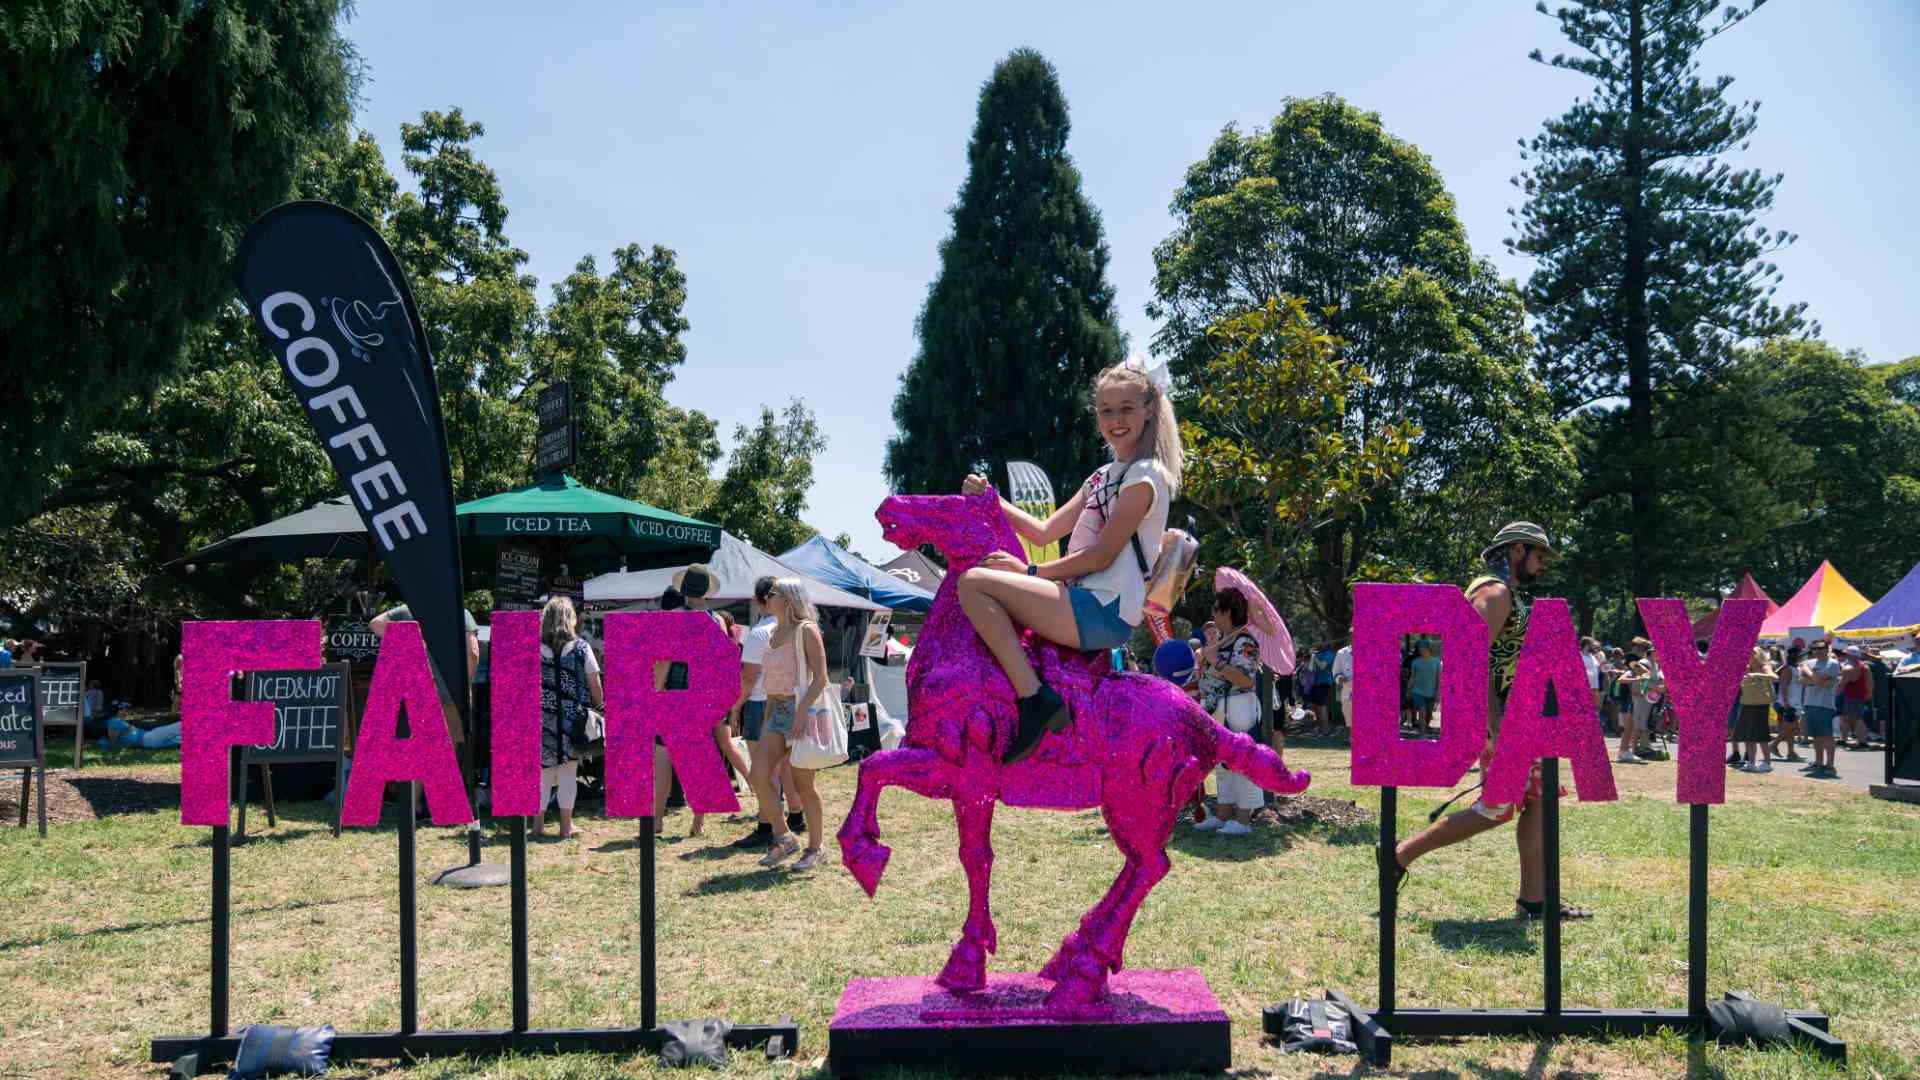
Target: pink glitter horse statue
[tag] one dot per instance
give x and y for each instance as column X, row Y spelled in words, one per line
column 1138, row 749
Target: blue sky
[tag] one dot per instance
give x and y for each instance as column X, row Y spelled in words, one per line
column 800, row 159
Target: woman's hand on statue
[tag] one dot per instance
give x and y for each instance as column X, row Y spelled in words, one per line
column 974, row 484
column 1000, row 560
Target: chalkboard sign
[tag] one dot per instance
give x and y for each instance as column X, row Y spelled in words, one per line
column 309, row 712
column 20, row 717
column 349, row 639
column 21, row 735
column 62, row 686
column 516, row 579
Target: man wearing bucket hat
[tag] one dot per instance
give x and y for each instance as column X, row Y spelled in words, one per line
column 1516, row 556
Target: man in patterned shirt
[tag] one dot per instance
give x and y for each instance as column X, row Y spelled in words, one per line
column 1518, row 555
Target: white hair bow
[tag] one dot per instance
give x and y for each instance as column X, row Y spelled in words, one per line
column 1157, row 375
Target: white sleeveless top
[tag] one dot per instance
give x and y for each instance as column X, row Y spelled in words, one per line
column 1122, row 578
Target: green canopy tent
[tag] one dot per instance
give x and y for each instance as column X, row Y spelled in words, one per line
column 588, row 530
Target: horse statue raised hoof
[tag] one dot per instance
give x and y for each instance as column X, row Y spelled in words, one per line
column 1138, row 749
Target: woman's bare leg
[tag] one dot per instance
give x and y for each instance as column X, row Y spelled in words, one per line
column 995, row 599
column 810, row 806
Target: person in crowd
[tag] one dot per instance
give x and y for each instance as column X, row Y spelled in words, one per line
column 1819, row 678
column 456, row 730
column 6, row 652
column 179, row 661
column 1787, row 702
column 1320, row 690
column 752, row 706
column 1594, row 659
column 1514, row 559
column 1229, row 669
column 1619, row 694
column 569, row 686
column 1757, row 691
column 1423, row 685
column 1342, row 671
column 1856, row 696
column 795, row 643
column 697, row 584
column 1090, row 599
column 1644, row 684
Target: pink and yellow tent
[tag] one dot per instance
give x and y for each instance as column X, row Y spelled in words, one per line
column 1826, row 600
column 1749, row 589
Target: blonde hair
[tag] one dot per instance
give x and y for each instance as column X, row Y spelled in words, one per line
column 558, row 624
column 799, row 608
column 1760, row 661
column 1160, row 436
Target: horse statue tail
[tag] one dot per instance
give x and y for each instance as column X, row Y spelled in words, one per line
column 1257, row 763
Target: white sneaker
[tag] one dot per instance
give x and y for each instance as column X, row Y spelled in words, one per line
column 1210, row 824
column 1234, row 828
column 1745, row 767
column 1630, row 758
column 1765, row 766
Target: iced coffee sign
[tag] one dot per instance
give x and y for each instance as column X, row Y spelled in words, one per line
column 19, row 718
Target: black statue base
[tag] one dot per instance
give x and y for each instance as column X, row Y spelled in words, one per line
column 1154, row 1021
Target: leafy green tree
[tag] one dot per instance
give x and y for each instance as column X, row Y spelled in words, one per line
column 1859, row 502
column 141, row 140
column 477, row 307
column 1268, row 455
column 1328, row 206
column 1021, row 316
column 764, row 491
column 1652, row 271
column 616, row 340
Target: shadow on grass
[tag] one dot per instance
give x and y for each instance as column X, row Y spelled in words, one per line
column 1507, row 936
column 755, row 880
column 172, row 924
column 1264, row 840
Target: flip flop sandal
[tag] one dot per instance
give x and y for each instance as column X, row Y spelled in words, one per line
column 1385, row 856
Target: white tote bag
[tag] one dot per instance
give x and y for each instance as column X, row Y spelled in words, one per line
column 820, row 738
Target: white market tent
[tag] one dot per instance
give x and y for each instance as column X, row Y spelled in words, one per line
column 736, row 563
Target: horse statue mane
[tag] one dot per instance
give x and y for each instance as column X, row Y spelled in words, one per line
column 1138, row 748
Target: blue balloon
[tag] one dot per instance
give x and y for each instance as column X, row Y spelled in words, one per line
column 1174, row 660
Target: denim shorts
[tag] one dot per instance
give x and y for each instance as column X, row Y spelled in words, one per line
column 1100, row 625
column 751, row 714
column 1819, row 722
column 779, row 720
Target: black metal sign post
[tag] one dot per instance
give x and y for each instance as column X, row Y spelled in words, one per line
column 22, row 739
column 1375, row 1029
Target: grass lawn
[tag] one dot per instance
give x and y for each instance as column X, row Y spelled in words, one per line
column 1816, row 904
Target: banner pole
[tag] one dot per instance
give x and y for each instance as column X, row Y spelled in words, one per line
column 409, row 958
column 648, row 987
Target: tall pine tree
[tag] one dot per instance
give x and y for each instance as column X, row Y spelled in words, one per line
column 1021, row 317
column 1652, row 270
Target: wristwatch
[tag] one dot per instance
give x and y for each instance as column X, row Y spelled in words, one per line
column 1033, row 569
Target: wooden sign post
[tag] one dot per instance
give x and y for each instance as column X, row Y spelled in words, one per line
column 20, row 735
column 310, row 713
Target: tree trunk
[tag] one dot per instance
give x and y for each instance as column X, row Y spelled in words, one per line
column 1642, row 483
column 1330, row 564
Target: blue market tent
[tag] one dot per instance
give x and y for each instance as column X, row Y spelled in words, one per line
column 826, row 561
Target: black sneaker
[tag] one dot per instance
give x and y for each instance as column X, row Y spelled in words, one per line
column 796, row 822
column 1040, row 712
column 760, row 837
